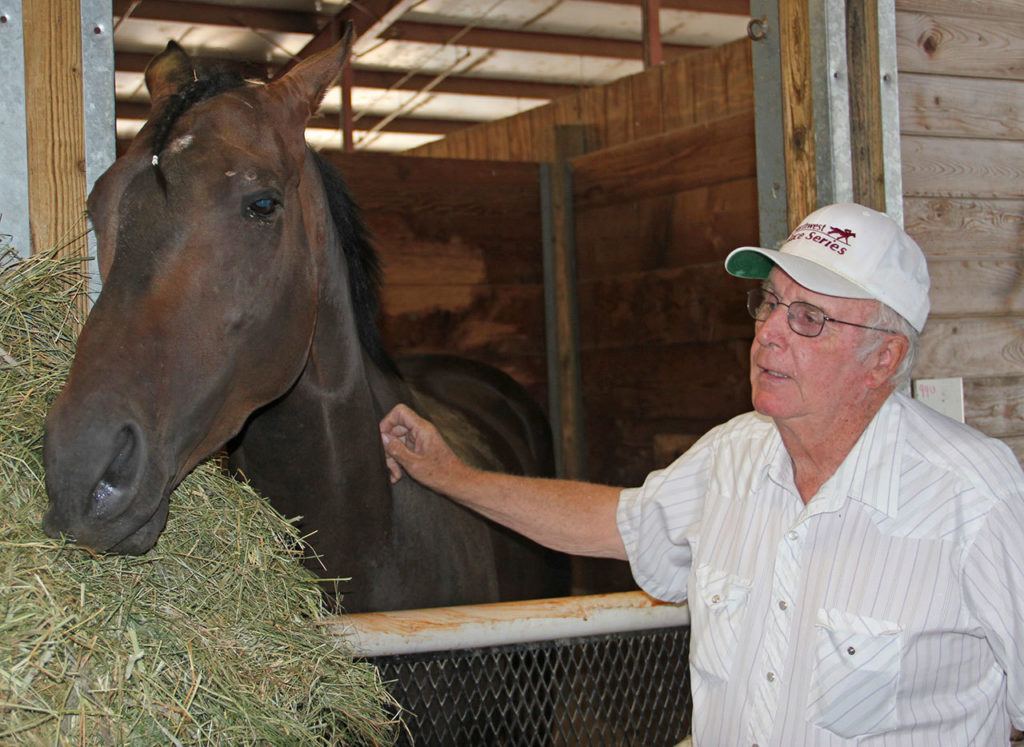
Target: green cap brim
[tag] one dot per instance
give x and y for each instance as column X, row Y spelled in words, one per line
column 749, row 264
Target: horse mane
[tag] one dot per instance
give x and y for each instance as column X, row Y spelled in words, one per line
column 362, row 260
column 364, row 270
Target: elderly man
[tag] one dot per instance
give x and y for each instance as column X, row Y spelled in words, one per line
column 853, row 561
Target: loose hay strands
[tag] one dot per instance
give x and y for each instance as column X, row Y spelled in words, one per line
column 207, row 639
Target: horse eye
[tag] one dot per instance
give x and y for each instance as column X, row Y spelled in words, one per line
column 264, row 207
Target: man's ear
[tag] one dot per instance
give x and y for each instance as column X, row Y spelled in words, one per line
column 886, row 359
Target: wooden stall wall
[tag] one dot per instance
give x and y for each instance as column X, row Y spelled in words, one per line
column 460, row 243
column 665, row 191
column 698, row 87
column 961, row 84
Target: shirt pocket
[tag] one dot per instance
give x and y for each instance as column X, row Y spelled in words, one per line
column 721, row 603
column 856, row 674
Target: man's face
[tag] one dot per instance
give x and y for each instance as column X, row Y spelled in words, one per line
column 808, row 379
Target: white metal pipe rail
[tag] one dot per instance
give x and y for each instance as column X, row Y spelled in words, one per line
column 479, row 625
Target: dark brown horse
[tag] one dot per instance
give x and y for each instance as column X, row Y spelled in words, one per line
column 239, row 307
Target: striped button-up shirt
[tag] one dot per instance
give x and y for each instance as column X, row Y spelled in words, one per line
column 888, row 610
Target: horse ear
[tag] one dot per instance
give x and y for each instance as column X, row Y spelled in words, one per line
column 168, row 72
column 305, row 85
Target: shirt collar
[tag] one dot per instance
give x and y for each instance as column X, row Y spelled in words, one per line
column 869, row 474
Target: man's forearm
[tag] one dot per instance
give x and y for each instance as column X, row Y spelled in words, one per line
column 573, row 517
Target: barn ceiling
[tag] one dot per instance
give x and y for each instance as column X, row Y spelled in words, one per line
column 421, row 68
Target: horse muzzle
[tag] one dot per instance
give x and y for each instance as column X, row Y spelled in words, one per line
column 101, row 487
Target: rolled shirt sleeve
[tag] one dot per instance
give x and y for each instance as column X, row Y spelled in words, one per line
column 659, row 521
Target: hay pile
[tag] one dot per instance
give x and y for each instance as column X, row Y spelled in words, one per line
column 208, row 639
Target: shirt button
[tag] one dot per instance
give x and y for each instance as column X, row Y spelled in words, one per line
column 851, row 650
column 716, row 599
column 793, row 535
column 771, row 676
column 782, row 604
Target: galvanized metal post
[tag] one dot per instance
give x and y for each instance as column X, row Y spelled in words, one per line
column 771, row 156
column 14, row 221
column 831, row 101
column 833, row 109
column 890, row 106
column 98, row 99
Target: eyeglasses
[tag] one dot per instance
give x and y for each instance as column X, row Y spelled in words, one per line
column 807, row 320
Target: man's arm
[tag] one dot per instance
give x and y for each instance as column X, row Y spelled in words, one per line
column 573, row 517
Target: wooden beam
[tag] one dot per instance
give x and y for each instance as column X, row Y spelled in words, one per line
column 56, row 139
column 135, row 62
column 368, row 18
column 562, row 306
column 727, row 7
column 196, row 13
column 866, row 152
column 525, row 41
column 417, row 125
column 797, row 110
column 651, row 25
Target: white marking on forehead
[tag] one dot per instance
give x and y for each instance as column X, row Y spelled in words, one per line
column 179, row 144
column 230, row 174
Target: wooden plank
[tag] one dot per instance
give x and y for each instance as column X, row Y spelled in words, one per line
column 739, row 77
column 949, row 45
column 449, row 220
column 705, row 154
column 677, row 100
column 645, row 105
column 961, row 107
column 700, row 303
column 54, row 113
column 962, row 167
column 995, row 406
column 617, row 114
column 797, row 110
column 866, row 150
column 977, row 287
column 690, row 227
column 948, row 228
column 1008, row 10
column 971, row 347
column 506, row 319
column 707, row 381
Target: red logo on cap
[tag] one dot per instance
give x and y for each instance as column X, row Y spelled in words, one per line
column 831, row 237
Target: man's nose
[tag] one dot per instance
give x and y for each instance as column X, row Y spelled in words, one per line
column 775, row 327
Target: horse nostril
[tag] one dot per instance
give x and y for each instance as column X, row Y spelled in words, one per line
column 118, row 476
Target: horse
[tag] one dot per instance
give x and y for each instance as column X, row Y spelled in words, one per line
column 238, row 312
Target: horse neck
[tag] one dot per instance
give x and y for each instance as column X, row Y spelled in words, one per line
column 321, row 439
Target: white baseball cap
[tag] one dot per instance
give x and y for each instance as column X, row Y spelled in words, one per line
column 851, row 251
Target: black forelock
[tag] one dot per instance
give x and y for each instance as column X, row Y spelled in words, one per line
column 211, row 83
column 364, row 270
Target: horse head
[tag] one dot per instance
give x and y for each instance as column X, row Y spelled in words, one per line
column 211, row 251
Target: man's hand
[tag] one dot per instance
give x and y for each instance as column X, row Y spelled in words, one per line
column 414, row 445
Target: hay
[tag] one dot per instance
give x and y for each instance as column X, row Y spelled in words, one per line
column 208, row 639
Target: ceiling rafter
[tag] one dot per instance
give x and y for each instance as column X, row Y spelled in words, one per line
column 209, row 14
column 419, row 125
column 526, row 41
column 725, row 7
column 135, row 62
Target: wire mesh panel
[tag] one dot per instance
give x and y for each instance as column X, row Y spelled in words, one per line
column 616, row 689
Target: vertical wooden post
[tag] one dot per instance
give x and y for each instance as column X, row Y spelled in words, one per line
column 566, row 401
column 651, row 24
column 797, row 110
column 862, row 61
column 54, row 113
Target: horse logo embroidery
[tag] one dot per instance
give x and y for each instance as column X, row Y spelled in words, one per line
column 842, row 234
